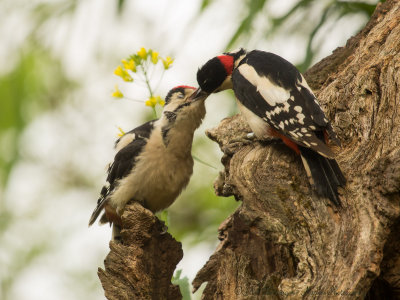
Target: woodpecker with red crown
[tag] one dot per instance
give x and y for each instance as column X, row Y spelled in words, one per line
column 276, row 101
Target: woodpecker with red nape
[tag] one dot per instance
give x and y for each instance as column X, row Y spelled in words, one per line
column 276, row 101
column 153, row 163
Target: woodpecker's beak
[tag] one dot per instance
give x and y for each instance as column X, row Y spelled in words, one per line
column 197, row 95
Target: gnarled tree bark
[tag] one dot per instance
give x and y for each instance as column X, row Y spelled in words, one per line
column 284, row 241
column 141, row 265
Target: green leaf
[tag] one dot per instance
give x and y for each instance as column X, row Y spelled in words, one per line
column 120, row 6
column 183, row 284
column 310, row 52
column 35, row 84
column 164, row 216
column 254, row 8
column 277, row 22
column 205, row 4
column 352, row 7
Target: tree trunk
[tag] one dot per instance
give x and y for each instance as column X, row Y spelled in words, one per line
column 141, row 265
column 285, row 242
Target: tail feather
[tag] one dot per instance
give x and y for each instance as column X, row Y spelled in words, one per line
column 100, row 205
column 101, row 202
column 324, row 174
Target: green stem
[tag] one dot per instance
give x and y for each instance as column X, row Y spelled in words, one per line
column 203, row 162
column 147, row 80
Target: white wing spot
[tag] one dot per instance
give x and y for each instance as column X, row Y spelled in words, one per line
column 281, row 125
column 306, row 143
column 277, row 110
column 304, row 130
column 286, row 106
column 298, row 108
column 300, row 118
column 314, row 144
column 312, row 127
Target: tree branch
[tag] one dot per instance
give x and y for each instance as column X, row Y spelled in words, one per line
column 142, row 265
column 283, row 240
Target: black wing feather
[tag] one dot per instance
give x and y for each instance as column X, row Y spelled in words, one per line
column 124, row 162
column 308, row 132
column 142, row 131
column 283, row 74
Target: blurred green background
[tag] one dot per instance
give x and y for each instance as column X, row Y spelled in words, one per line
column 58, row 122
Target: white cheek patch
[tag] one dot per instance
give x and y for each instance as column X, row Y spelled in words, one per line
column 226, row 85
column 271, row 92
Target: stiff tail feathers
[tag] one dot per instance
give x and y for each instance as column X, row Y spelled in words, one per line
column 99, row 208
column 324, row 174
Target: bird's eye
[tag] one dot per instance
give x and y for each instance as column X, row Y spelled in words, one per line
column 181, row 96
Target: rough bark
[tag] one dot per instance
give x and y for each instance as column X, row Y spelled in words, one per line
column 141, row 265
column 285, row 242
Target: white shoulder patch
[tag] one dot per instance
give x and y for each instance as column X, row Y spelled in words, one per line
column 272, row 93
column 124, row 141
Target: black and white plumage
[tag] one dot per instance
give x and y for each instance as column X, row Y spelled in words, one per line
column 153, row 161
column 276, row 100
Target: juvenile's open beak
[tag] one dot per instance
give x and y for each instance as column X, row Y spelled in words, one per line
column 197, row 94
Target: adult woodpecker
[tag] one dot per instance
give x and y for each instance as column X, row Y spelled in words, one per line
column 275, row 100
column 153, row 162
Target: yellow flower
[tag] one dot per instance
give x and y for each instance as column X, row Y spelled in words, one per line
column 167, row 62
column 152, row 101
column 160, row 101
column 117, row 93
column 123, row 74
column 119, row 71
column 121, row 132
column 129, row 65
column 154, row 57
column 142, row 53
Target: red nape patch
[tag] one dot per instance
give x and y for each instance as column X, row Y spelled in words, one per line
column 288, row 142
column 227, row 62
column 184, row 87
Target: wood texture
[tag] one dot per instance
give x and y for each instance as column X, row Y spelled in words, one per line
column 142, row 264
column 283, row 241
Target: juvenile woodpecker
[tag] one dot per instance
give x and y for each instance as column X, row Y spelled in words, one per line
column 276, row 101
column 153, row 162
